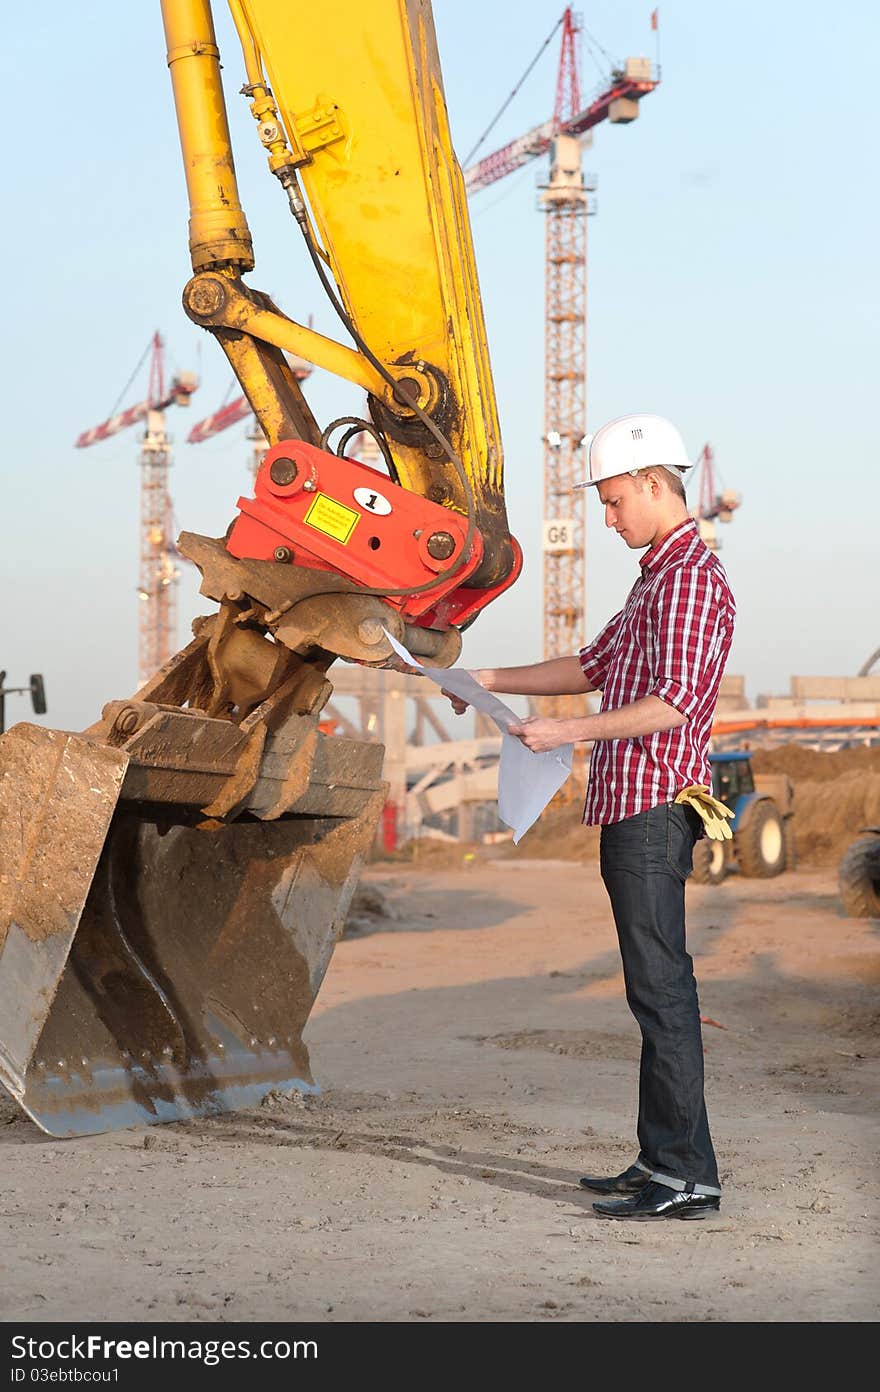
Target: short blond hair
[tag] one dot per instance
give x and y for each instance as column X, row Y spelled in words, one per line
column 671, row 477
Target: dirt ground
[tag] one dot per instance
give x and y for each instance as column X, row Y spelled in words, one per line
column 477, row 1056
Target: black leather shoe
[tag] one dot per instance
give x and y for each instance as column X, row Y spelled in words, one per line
column 659, row 1201
column 630, row 1182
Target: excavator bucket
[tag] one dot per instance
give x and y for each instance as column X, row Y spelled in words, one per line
column 170, row 895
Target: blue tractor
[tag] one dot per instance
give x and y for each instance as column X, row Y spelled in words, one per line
column 763, row 833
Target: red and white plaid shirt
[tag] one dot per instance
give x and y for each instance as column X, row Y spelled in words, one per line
column 671, row 640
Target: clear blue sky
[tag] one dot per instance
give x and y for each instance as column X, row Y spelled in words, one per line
column 732, row 286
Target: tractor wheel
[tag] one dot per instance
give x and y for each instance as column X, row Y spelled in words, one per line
column 760, row 844
column 859, row 878
column 710, row 862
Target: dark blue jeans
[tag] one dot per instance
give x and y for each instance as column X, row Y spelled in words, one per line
column 645, row 861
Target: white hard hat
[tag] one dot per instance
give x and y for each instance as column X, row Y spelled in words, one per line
column 631, row 443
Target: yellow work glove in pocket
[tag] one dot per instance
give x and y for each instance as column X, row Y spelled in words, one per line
column 712, row 813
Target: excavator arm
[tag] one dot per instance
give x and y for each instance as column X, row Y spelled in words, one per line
column 174, row 878
column 349, row 107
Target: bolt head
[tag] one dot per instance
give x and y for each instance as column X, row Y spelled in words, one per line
column 283, row 471
column 127, row 721
column 407, row 391
column 308, row 486
column 205, row 297
column 441, row 546
column 369, row 631
column 283, row 554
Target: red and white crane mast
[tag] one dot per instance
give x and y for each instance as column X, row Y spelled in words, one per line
column 714, row 505
column 564, row 199
column 158, row 573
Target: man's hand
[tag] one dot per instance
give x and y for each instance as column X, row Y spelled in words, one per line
column 458, row 705
column 539, row 734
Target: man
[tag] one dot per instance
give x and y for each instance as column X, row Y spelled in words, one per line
column 658, row 664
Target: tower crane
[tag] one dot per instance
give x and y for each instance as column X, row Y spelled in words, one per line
column 713, row 505
column 564, row 199
column 158, row 573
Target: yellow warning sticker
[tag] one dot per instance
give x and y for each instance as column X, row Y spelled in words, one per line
column 332, row 518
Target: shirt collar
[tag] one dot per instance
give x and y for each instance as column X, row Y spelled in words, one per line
column 673, row 541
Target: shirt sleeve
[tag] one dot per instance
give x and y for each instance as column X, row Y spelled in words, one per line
column 595, row 657
column 687, row 618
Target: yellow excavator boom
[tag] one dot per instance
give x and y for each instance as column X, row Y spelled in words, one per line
column 350, row 108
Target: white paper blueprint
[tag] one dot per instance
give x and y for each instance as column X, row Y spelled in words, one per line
column 526, row 781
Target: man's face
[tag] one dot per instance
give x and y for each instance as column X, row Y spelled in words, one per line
column 630, row 509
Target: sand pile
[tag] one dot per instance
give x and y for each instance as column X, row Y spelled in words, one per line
column 804, row 765
column 835, row 795
column 558, row 835
column 829, row 814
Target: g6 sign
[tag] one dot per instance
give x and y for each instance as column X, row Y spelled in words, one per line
column 558, row 534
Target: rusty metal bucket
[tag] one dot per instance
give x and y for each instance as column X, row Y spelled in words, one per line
column 158, row 963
